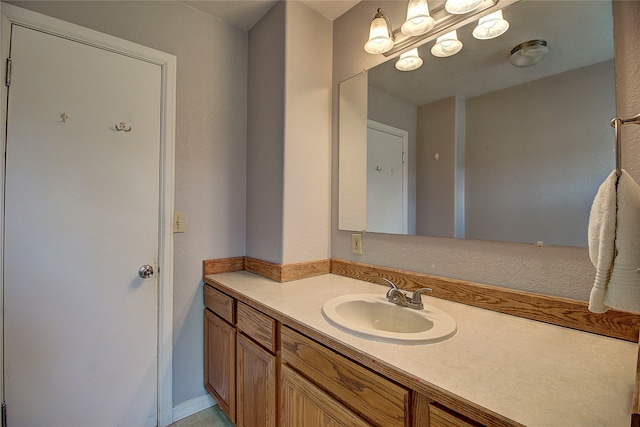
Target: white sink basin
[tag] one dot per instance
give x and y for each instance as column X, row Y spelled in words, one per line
column 372, row 316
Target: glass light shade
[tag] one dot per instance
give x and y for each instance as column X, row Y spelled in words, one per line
column 447, row 45
column 529, row 53
column 409, row 61
column 458, row 7
column 418, row 19
column 491, row 26
column 380, row 40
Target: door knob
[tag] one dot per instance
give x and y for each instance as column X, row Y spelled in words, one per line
column 146, row 271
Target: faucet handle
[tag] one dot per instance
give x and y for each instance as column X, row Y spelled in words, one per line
column 392, row 286
column 416, row 299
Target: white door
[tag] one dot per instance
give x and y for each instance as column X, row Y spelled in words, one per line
column 81, row 217
column 386, row 179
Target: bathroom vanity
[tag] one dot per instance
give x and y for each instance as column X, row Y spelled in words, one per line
column 271, row 358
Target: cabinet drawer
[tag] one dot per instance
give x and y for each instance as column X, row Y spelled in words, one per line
column 260, row 327
column 220, row 303
column 440, row 417
column 380, row 401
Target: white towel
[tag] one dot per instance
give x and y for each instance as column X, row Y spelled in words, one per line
column 614, row 245
column 601, row 236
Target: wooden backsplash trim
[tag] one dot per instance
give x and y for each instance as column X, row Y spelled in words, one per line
column 222, row 265
column 277, row 272
column 558, row 311
column 305, row 269
column 287, row 272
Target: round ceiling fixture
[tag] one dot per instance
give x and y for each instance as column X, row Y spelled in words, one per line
column 529, row 53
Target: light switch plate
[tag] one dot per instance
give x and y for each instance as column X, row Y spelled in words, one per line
column 178, row 223
column 356, row 244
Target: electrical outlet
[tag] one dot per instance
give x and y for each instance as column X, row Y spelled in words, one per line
column 178, row 223
column 356, row 244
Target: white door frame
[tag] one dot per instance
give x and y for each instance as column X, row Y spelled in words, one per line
column 400, row 133
column 16, row 15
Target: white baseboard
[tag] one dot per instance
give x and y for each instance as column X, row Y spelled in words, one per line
column 192, row 406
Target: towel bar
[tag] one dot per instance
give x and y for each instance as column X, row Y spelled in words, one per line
column 617, row 123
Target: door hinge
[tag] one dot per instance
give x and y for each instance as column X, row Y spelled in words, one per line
column 4, row 415
column 8, row 78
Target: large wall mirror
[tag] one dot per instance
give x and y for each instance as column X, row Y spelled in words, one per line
column 470, row 146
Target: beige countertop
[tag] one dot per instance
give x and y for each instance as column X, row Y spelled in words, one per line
column 530, row 372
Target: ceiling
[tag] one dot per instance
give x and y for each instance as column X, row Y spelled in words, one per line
column 244, row 14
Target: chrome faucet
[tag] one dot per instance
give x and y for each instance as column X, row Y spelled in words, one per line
column 416, row 299
column 398, row 297
column 395, row 295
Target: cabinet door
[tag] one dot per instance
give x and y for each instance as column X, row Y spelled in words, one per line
column 220, row 362
column 256, row 385
column 440, row 417
column 304, row 404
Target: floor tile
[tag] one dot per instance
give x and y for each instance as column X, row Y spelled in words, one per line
column 210, row 417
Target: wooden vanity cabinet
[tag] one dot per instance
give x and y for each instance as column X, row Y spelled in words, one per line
column 263, row 374
column 240, row 362
column 220, row 361
column 304, row 404
column 257, row 365
column 442, row 417
column 374, row 398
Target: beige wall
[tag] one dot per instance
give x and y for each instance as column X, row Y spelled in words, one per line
column 210, row 146
column 557, row 271
column 532, row 160
column 626, row 34
column 435, row 180
column 307, row 144
column 288, row 185
column 265, row 130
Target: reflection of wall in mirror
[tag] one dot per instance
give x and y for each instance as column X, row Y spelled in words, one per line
column 533, row 166
column 440, row 165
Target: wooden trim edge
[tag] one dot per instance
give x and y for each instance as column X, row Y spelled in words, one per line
column 555, row 310
column 222, row 265
column 305, row 269
column 277, row 272
column 287, row 272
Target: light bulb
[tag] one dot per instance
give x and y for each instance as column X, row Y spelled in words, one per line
column 418, row 19
column 490, row 26
column 447, row 45
column 458, row 7
column 380, row 40
column 409, row 60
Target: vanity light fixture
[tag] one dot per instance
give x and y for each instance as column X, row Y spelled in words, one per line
column 447, row 45
column 491, row 26
column 409, row 60
column 529, row 53
column 423, row 25
column 459, row 7
column 418, row 19
column 380, row 34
